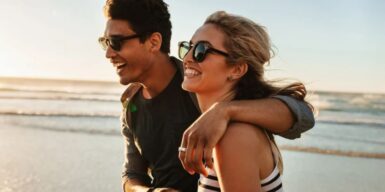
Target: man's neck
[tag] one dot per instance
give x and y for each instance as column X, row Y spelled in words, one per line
column 159, row 76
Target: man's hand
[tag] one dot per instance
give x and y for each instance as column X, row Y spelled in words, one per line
column 201, row 137
column 271, row 114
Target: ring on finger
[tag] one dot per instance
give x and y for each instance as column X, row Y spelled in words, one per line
column 182, row 149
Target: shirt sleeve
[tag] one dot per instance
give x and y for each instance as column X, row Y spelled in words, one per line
column 135, row 166
column 303, row 114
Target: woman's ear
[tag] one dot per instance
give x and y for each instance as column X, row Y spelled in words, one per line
column 155, row 41
column 239, row 70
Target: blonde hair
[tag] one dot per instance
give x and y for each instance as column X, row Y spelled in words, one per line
column 248, row 42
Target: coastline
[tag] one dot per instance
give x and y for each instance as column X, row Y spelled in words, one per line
column 335, row 152
column 43, row 160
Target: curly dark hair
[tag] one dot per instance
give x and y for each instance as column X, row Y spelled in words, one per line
column 144, row 16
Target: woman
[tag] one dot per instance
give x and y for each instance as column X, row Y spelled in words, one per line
column 224, row 61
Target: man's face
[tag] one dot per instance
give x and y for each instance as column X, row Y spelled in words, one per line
column 131, row 61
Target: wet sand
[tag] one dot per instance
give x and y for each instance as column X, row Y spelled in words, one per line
column 41, row 160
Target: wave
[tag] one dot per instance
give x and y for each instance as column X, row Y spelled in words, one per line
column 58, row 114
column 105, row 98
column 308, row 149
column 371, row 123
column 347, row 138
column 355, row 110
column 113, row 132
column 348, row 102
column 63, row 91
column 333, row 151
column 85, row 130
column 349, row 106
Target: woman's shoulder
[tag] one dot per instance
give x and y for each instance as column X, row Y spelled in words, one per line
column 245, row 133
column 240, row 127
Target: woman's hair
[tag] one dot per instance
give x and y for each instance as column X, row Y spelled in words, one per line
column 249, row 43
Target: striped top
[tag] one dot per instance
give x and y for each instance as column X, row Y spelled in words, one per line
column 272, row 183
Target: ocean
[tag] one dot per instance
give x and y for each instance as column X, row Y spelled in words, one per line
column 350, row 124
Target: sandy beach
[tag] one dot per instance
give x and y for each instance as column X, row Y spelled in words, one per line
column 41, row 160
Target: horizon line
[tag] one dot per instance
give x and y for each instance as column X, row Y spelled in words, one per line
column 112, row 81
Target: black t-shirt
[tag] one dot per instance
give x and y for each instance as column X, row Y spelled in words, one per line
column 158, row 125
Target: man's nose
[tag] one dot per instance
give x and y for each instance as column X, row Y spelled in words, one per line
column 110, row 53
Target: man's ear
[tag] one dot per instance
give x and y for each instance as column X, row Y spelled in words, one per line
column 155, row 41
column 239, row 70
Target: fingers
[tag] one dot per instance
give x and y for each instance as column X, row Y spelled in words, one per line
column 197, row 159
column 198, row 153
column 208, row 156
column 192, row 159
column 185, row 156
column 182, row 154
column 188, row 160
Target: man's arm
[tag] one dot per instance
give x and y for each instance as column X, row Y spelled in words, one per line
column 134, row 175
column 303, row 114
column 283, row 115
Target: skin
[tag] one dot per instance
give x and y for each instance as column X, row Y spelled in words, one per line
column 243, row 158
column 202, row 136
column 243, row 155
column 143, row 62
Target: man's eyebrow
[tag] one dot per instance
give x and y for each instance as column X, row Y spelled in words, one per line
column 116, row 35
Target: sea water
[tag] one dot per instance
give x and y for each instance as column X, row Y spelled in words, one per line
column 346, row 123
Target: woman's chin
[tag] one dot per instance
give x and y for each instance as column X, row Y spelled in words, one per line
column 188, row 86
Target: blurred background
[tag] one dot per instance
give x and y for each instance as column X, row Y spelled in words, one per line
column 59, row 95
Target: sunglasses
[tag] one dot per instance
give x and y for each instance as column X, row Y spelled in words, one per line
column 199, row 50
column 115, row 42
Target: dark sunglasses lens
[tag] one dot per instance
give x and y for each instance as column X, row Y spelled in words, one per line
column 115, row 44
column 183, row 49
column 199, row 52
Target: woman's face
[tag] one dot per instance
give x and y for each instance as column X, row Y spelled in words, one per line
column 209, row 75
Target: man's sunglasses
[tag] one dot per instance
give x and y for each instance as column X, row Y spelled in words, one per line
column 115, row 42
column 199, row 50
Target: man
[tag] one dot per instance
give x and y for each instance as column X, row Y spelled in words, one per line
column 157, row 111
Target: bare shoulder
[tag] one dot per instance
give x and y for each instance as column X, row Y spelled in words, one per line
column 243, row 154
column 244, row 132
column 244, row 138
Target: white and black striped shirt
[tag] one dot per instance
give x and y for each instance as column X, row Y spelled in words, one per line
column 272, row 183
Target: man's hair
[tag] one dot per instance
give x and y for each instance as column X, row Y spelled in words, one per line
column 144, row 16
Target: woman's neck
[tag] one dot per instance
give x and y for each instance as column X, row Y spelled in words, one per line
column 206, row 100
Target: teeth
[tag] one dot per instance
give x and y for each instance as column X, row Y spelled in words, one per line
column 119, row 64
column 191, row 72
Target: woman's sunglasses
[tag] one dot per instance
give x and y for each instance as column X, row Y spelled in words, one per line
column 199, row 50
column 115, row 42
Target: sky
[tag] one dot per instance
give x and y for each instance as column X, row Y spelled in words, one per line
column 328, row 45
